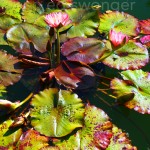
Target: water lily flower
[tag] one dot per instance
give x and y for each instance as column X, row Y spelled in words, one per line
column 117, row 38
column 56, row 19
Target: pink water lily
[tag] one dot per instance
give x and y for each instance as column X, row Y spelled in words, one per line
column 56, row 19
column 117, row 38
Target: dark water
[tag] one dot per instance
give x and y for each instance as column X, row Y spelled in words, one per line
column 137, row 125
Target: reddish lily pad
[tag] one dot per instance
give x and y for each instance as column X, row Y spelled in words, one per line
column 84, row 24
column 145, row 26
column 8, row 139
column 145, row 40
column 137, row 82
column 12, row 8
column 120, row 140
column 9, row 73
column 130, row 56
column 86, row 50
column 31, row 139
column 75, row 75
column 32, row 11
column 120, row 22
column 21, row 35
column 56, row 113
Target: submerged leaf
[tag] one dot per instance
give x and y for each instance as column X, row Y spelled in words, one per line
column 119, row 22
column 8, row 138
column 145, row 26
column 9, row 73
column 86, row 50
column 130, row 56
column 138, row 83
column 21, row 35
column 84, row 24
column 56, row 113
column 75, row 75
column 31, row 139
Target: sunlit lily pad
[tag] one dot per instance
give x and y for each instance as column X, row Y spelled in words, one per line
column 120, row 141
column 31, row 11
column 130, row 56
column 31, row 139
column 56, row 113
column 85, row 50
column 84, row 24
column 137, row 82
column 75, row 75
column 9, row 73
column 8, row 137
column 120, row 22
column 21, row 35
column 12, row 8
column 145, row 26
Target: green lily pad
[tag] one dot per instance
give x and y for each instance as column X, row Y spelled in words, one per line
column 9, row 73
column 86, row 50
column 12, row 8
column 75, row 75
column 2, row 90
column 120, row 22
column 84, row 24
column 8, row 138
column 21, row 35
column 31, row 139
column 120, row 140
column 130, row 56
column 56, row 113
column 63, row 3
column 31, row 11
column 137, row 82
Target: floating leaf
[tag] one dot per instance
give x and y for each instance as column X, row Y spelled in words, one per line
column 2, row 90
column 12, row 8
column 145, row 40
column 130, row 56
column 21, row 35
column 120, row 22
column 9, row 73
column 74, row 75
column 31, row 139
column 145, row 26
column 56, row 113
column 63, row 3
column 120, row 141
column 81, row 49
column 137, row 82
column 84, row 24
column 32, row 11
column 8, row 138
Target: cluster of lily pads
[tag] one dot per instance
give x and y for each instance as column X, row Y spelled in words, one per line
column 61, row 46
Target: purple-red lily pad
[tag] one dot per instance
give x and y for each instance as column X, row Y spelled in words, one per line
column 138, row 83
column 119, row 22
column 56, row 113
column 32, row 139
column 130, row 56
column 75, row 75
column 86, row 50
column 145, row 40
column 9, row 73
column 145, row 26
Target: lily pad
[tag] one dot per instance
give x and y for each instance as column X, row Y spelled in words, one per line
column 86, row 50
column 130, row 56
column 84, row 24
column 8, row 138
column 63, row 3
column 75, row 75
column 120, row 22
column 145, row 26
column 137, row 82
column 120, row 140
column 2, row 90
column 56, row 113
column 145, row 40
column 31, row 11
column 9, row 73
column 31, row 139
column 21, row 35
column 12, row 8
